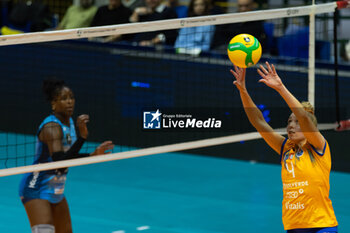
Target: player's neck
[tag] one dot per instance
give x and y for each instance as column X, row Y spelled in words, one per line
column 63, row 118
column 298, row 145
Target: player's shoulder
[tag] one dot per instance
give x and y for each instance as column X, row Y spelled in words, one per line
column 51, row 125
column 321, row 152
column 50, row 119
column 50, row 130
column 287, row 144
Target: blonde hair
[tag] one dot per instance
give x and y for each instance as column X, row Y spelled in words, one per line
column 311, row 110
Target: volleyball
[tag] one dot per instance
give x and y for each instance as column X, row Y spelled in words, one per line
column 244, row 50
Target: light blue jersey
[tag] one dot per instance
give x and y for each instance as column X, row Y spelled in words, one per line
column 47, row 185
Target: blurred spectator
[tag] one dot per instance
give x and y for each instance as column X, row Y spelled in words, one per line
column 154, row 10
column 224, row 33
column 79, row 16
column 196, row 38
column 181, row 10
column 113, row 13
column 4, row 8
column 215, row 9
column 133, row 4
column 345, row 51
column 246, row 5
column 294, row 26
column 27, row 17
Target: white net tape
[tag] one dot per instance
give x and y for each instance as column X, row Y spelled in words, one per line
column 144, row 152
column 165, row 24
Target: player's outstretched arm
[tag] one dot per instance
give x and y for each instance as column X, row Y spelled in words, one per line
column 103, row 148
column 273, row 139
column 271, row 79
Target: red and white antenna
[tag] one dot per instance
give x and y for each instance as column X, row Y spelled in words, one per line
column 344, row 125
column 343, row 4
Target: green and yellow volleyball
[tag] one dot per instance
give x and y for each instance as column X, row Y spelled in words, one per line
column 244, row 50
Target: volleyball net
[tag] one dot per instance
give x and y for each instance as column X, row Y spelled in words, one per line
column 166, row 97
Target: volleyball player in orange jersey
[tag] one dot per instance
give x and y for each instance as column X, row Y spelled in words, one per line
column 305, row 158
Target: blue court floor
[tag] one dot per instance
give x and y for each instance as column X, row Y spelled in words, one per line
column 172, row 193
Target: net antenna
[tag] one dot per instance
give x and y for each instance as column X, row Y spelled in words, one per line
column 163, row 25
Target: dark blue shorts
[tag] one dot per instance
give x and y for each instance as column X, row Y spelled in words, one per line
column 315, row 230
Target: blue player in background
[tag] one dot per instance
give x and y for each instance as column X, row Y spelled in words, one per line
column 42, row 193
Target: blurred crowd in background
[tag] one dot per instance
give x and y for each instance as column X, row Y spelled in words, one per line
column 21, row 16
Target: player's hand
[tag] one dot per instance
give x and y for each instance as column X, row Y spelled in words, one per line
column 239, row 74
column 82, row 120
column 270, row 77
column 112, row 38
column 143, row 10
column 146, row 43
column 103, row 148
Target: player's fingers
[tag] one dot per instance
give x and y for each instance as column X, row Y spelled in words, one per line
column 274, row 69
column 106, row 144
column 261, row 73
column 86, row 118
column 83, row 118
column 234, row 74
column 110, row 147
column 236, row 68
column 262, row 81
column 83, row 122
column 268, row 67
column 263, row 69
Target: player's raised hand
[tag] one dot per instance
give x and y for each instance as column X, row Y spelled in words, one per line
column 103, row 148
column 239, row 74
column 82, row 120
column 270, row 77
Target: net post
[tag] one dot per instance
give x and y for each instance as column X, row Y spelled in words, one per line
column 336, row 79
column 311, row 65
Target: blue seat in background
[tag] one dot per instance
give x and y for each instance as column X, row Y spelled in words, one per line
column 270, row 39
column 323, row 50
column 294, row 43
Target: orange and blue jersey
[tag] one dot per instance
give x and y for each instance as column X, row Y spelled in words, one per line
column 305, row 177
